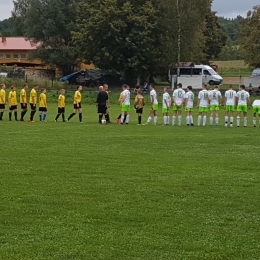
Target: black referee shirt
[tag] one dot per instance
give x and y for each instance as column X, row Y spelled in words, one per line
column 102, row 98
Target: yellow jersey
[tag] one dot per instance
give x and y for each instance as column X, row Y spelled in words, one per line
column 12, row 98
column 33, row 96
column 2, row 96
column 42, row 100
column 23, row 98
column 77, row 97
column 61, row 101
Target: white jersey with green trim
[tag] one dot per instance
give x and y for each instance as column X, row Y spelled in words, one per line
column 204, row 98
column 256, row 103
column 242, row 96
column 179, row 95
column 166, row 97
column 230, row 96
column 153, row 97
column 190, row 99
column 214, row 97
column 126, row 96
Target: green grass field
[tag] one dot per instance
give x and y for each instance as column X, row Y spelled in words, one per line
column 89, row 191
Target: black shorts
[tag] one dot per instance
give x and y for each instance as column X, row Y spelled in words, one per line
column 12, row 108
column 139, row 111
column 102, row 109
column 61, row 110
column 77, row 107
column 43, row 109
column 33, row 107
column 23, row 106
column 2, row 106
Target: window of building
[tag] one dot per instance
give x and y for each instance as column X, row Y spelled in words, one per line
column 1, row 56
column 8, row 56
column 23, row 56
column 15, row 56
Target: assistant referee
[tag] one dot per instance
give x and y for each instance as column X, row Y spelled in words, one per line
column 102, row 103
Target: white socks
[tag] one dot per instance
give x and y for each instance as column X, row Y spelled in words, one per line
column 179, row 120
column 199, row 120
column 245, row 121
column 254, row 121
column 204, row 120
column 173, row 120
column 155, row 120
column 127, row 119
column 149, row 120
column 238, row 121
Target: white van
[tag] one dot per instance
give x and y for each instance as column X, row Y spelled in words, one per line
column 206, row 73
column 3, row 75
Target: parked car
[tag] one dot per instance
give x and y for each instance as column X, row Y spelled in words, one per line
column 256, row 72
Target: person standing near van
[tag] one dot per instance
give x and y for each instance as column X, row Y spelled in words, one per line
column 215, row 98
column 203, row 104
column 178, row 99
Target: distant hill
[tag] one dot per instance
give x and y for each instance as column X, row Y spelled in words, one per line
column 6, row 27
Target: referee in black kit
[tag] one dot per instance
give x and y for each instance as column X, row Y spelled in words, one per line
column 101, row 104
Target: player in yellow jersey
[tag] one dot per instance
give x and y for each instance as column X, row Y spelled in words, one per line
column 77, row 104
column 108, row 105
column 43, row 106
column 2, row 101
column 33, row 101
column 61, row 105
column 23, row 101
column 12, row 99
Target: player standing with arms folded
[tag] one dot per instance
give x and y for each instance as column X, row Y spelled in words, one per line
column 243, row 102
column 203, row 104
column 33, row 101
column 61, row 106
column 12, row 98
column 256, row 110
column 189, row 100
column 125, row 104
column 166, row 101
column 77, row 104
column 2, row 101
column 154, row 106
column 139, row 105
column 215, row 99
column 230, row 96
column 178, row 98
column 23, row 101
column 43, row 106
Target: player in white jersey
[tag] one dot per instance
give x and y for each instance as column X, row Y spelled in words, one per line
column 166, row 104
column 125, row 104
column 154, row 106
column 230, row 100
column 189, row 99
column 242, row 101
column 215, row 100
column 256, row 110
column 178, row 98
column 203, row 104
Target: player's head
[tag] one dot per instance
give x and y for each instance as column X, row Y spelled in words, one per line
column 189, row 88
column 25, row 86
column 2, row 86
column 165, row 89
column 62, row 91
column 79, row 88
column 12, row 88
column 230, row 86
column 124, row 87
column 137, row 86
column 35, row 86
column 151, row 86
column 43, row 90
column 179, row 85
column 101, row 88
column 127, row 87
column 216, row 87
column 105, row 86
column 204, row 86
column 242, row 87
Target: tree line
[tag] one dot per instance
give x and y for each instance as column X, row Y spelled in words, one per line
column 137, row 38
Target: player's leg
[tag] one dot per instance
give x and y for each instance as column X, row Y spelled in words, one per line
column 232, row 116
column 245, row 119
column 238, row 115
column 107, row 116
column 73, row 114
column 155, row 118
column 211, row 115
column 10, row 113
column 150, row 117
column 254, row 118
column 200, row 116
column 2, row 111
column 187, row 117
column 44, row 115
column 58, row 115
column 174, row 115
column 80, row 113
column 179, row 116
column 217, row 117
column 226, row 115
column 191, row 118
column 205, row 117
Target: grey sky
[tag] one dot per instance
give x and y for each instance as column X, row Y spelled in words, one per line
column 226, row 8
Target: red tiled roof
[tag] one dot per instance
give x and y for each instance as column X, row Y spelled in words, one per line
column 16, row 43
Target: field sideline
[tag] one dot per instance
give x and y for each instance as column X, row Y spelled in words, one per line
column 89, row 191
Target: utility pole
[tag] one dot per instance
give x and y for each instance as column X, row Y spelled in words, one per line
column 179, row 38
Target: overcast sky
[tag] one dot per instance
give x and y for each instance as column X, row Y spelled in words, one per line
column 226, row 8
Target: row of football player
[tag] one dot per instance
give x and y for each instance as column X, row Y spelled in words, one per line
column 13, row 104
column 207, row 100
